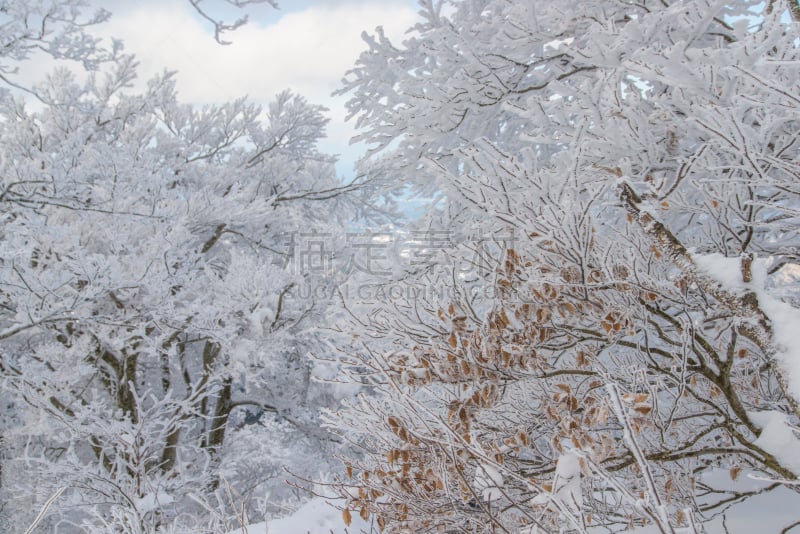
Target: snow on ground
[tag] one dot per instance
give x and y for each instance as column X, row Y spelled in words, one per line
column 785, row 323
column 317, row 516
column 768, row 512
column 785, row 318
column 725, row 270
column 777, row 438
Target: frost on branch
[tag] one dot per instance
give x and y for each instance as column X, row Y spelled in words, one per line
column 58, row 29
column 618, row 147
column 153, row 331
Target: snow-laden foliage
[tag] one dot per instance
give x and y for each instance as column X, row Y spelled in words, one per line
column 56, row 29
column 610, row 329
column 153, row 329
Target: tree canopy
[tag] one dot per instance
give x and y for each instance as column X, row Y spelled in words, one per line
column 154, row 330
column 620, row 180
column 592, row 328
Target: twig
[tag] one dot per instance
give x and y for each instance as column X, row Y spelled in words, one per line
column 44, row 509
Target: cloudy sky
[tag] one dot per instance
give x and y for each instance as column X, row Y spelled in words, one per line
column 306, row 46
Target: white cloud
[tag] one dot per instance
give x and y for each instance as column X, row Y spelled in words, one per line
column 308, row 51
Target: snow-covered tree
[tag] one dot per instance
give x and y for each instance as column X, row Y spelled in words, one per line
column 153, row 327
column 609, row 340
column 57, row 29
